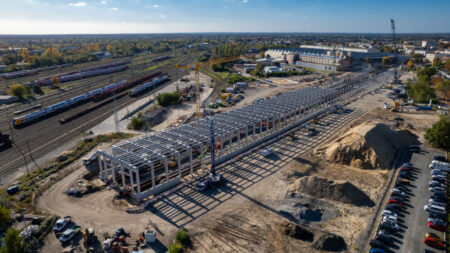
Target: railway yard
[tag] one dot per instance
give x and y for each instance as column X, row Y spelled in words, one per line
column 37, row 139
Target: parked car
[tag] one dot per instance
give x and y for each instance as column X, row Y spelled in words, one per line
column 404, row 174
column 409, row 165
column 393, row 201
column 386, row 238
column 389, row 213
column 438, row 198
column 439, row 179
column 437, row 216
column 402, row 181
column 435, row 183
column 396, row 192
column 436, row 188
column 432, row 242
column 437, row 203
column 378, row 244
column 389, row 226
column 377, row 250
column 61, row 223
column 414, row 148
column 441, row 226
column 440, row 158
column 404, row 168
column 393, row 207
column 390, row 219
column 436, row 220
column 399, row 198
column 438, row 172
column 435, row 209
column 440, row 193
column 433, row 235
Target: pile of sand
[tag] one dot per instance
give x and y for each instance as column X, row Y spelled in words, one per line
column 296, row 231
column 367, row 146
column 341, row 191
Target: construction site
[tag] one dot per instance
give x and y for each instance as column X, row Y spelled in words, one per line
column 277, row 174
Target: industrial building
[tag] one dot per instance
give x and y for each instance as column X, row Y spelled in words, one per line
column 327, row 58
column 152, row 164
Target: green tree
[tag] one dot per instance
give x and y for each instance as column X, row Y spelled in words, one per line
column 444, row 87
column 4, row 216
column 168, row 98
column 437, row 63
column 439, row 134
column 420, row 91
column 14, row 243
column 262, row 54
column 18, row 90
column 259, row 68
column 447, row 66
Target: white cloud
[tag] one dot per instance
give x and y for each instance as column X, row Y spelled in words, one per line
column 162, row 16
column 79, row 4
column 103, row 2
column 155, row 6
column 245, row 1
column 114, row 9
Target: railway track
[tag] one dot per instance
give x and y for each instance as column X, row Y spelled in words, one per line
column 35, row 140
column 80, row 86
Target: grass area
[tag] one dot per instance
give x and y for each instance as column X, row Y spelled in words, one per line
column 35, row 183
column 157, row 65
column 234, row 78
column 223, row 74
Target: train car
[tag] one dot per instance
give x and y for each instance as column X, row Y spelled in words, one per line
column 28, row 118
column 138, row 90
column 57, row 107
column 162, row 58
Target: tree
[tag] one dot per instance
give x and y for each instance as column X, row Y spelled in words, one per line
column 109, row 48
column 4, row 216
column 24, row 53
column 438, row 135
column 437, row 62
column 447, row 66
column 444, row 87
column 168, row 98
column 262, row 53
column 436, row 80
column 259, row 68
column 93, row 47
column 420, row 91
column 18, row 90
column 410, row 64
column 14, row 243
column 55, row 81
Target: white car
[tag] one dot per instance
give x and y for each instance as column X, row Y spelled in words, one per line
column 389, row 213
column 391, row 224
column 61, row 224
column 437, row 188
column 390, row 219
column 435, row 209
column 397, row 191
column 436, row 203
column 267, row 152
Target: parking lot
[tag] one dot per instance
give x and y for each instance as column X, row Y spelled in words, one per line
column 413, row 219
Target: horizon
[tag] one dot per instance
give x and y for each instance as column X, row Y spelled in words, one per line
column 83, row 17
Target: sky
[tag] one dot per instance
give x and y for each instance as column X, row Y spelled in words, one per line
column 180, row 16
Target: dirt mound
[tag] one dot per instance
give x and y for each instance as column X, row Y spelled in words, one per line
column 367, row 146
column 156, row 116
column 296, row 231
column 334, row 190
column 329, row 242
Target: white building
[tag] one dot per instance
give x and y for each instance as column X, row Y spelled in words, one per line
column 272, row 69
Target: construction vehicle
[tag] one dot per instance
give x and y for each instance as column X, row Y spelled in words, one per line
column 315, row 120
column 396, row 107
column 196, row 68
column 214, row 178
column 5, row 141
column 89, row 238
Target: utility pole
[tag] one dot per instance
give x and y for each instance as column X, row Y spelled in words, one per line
column 116, row 118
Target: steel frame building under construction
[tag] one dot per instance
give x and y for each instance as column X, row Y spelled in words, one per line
column 157, row 162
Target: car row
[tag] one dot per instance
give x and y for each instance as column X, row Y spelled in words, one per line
column 389, row 225
column 437, row 203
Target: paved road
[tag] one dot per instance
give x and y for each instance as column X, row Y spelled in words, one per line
column 415, row 217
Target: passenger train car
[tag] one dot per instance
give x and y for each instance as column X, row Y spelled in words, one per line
column 136, row 91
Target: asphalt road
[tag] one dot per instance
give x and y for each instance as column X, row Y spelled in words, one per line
column 415, row 218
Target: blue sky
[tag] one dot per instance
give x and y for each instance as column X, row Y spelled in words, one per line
column 168, row 16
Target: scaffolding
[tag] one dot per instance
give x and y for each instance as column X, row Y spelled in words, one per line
column 155, row 163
